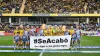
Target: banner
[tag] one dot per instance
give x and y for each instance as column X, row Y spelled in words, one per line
column 50, row 42
column 8, row 34
column 2, row 33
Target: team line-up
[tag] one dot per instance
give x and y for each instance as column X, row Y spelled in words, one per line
column 22, row 34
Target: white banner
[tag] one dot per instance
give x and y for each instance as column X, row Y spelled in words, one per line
column 50, row 42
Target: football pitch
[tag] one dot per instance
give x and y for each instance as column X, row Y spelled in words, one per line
column 85, row 41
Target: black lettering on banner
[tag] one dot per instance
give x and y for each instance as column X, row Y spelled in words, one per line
column 44, row 41
column 50, row 41
column 42, row 46
column 56, row 46
column 35, row 40
column 63, row 45
column 53, row 41
column 61, row 40
column 57, row 41
column 39, row 41
column 66, row 40
column 50, row 45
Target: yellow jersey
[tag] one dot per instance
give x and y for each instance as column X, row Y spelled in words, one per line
column 28, row 29
column 71, row 31
column 50, row 31
column 45, row 32
column 61, row 32
column 15, row 32
column 21, row 32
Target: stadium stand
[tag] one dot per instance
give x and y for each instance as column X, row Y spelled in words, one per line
column 50, row 6
column 6, row 6
column 62, row 6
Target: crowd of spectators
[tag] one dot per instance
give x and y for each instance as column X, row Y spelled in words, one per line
column 62, row 6
column 6, row 27
column 51, row 6
column 84, row 27
column 6, row 6
column 90, row 27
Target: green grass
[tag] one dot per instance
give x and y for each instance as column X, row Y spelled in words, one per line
column 6, row 40
column 69, row 54
column 19, row 54
column 48, row 54
column 85, row 41
column 90, row 41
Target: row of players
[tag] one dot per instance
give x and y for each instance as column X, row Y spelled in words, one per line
column 22, row 34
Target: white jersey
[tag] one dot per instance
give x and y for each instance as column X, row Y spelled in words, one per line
column 26, row 33
column 78, row 33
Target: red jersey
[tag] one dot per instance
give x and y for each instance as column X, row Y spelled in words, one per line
column 37, row 30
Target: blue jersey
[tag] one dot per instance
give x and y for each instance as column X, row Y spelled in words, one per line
column 66, row 33
column 24, row 38
column 74, row 36
column 78, row 33
column 17, row 38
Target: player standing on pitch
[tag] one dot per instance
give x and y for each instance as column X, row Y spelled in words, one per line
column 78, row 34
column 32, row 29
column 25, row 38
column 74, row 36
column 28, row 35
column 16, row 38
column 21, row 31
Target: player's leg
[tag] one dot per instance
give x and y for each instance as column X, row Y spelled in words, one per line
column 28, row 42
column 20, row 44
column 71, row 43
column 24, row 44
column 78, row 41
column 74, row 43
column 16, row 44
column 24, row 39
